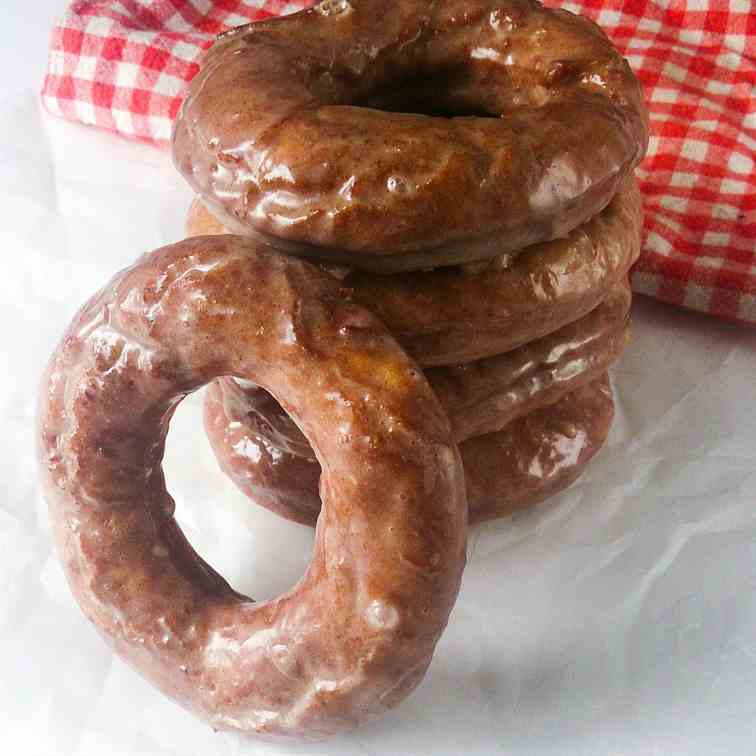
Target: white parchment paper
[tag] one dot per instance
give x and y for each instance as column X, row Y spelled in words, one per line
column 618, row 619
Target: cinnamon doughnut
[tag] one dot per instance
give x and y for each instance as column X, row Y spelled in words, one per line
column 357, row 632
column 281, row 135
column 455, row 315
column 534, row 457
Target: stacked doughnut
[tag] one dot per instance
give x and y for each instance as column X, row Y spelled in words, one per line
column 459, row 175
column 464, row 169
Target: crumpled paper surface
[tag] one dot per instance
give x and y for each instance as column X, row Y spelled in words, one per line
column 618, row 619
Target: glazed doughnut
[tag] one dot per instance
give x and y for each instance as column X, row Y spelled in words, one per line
column 280, row 135
column 259, row 447
column 357, row 632
column 534, row 457
column 479, row 397
column 454, row 315
column 537, row 455
column 262, row 452
column 484, row 396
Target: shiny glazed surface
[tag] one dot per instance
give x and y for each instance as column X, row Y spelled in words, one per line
column 357, row 632
column 479, row 397
column 462, row 314
column 282, row 131
column 482, row 397
column 536, row 456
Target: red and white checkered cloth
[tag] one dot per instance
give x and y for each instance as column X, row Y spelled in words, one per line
column 123, row 65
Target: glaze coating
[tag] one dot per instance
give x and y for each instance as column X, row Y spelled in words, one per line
column 479, row 397
column 461, row 314
column 484, row 396
column 534, row 457
column 537, row 455
column 263, row 452
column 357, row 632
column 283, row 135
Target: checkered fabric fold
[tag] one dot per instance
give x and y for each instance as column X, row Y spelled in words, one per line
column 123, row 65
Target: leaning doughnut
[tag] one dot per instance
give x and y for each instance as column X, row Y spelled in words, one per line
column 453, row 315
column 534, row 457
column 357, row 632
column 279, row 135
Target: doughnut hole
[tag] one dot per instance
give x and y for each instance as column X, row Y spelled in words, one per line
column 427, row 95
column 257, row 552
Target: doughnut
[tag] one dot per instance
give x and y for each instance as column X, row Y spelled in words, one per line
column 516, row 125
column 259, row 447
column 479, row 397
column 355, row 635
column 484, row 396
column 455, row 315
column 406, row 278
column 538, row 455
column 534, row 457
column 261, row 452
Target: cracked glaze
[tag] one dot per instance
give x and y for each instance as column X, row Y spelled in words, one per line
column 357, row 632
column 534, row 457
column 291, row 129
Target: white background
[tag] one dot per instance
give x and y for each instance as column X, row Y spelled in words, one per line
column 619, row 619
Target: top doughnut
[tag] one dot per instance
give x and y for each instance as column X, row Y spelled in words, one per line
column 327, row 131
